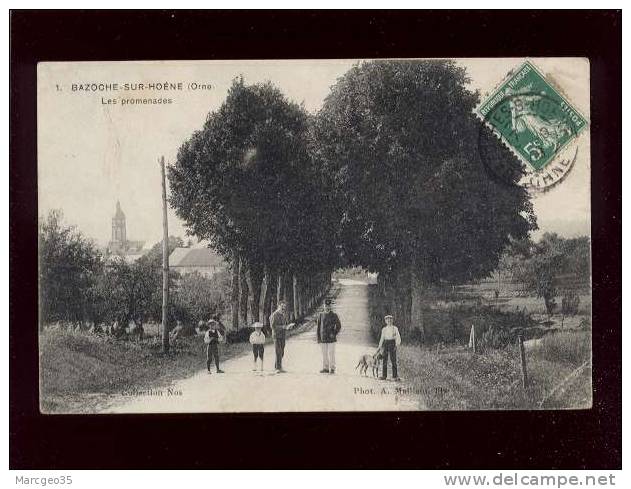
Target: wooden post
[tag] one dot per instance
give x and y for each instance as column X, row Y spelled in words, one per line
column 473, row 343
column 165, row 264
column 522, row 357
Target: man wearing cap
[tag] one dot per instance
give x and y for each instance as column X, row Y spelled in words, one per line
column 278, row 322
column 328, row 328
column 388, row 342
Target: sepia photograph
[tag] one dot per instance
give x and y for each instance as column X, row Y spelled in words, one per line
column 331, row 235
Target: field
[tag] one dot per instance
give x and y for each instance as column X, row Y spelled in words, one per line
column 559, row 375
column 452, row 377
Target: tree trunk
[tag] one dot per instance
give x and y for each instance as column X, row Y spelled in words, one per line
column 254, row 278
column 416, row 314
column 296, row 296
column 273, row 289
column 288, row 290
column 244, row 292
column 385, row 294
column 234, row 296
column 280, row 289
column 307, row 292
column 401, row 299
column 266, row 295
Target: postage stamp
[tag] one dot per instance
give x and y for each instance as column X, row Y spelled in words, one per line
column 536, row 122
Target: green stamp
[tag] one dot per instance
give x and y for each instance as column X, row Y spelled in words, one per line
column 532, row 118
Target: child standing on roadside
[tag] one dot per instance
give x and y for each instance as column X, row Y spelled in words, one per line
column 212, row 338
column 388, row 343
column 257, row 340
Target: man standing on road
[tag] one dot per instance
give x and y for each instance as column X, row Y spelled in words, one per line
column 328, row 328
column 278, row 322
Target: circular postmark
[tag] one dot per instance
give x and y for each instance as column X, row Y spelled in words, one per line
column 540, row 134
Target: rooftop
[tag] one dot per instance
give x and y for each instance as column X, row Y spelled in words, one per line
column 195, row 257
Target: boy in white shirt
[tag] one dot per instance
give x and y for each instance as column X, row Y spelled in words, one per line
column 388, row 343
column 257, row 340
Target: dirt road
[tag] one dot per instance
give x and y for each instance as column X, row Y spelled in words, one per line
column 301, row 388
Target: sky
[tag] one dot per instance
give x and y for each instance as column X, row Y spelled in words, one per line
column 92, row 153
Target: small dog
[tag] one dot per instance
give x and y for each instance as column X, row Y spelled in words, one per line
column 369, row 361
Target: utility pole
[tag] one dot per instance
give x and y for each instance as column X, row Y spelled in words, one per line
column 165, row 264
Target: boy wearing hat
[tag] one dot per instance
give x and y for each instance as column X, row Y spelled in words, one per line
column 212, row 338
column 388, row 343
column 328, row 328
column 257, row 340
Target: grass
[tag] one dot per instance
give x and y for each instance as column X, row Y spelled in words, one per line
column 569, row 347
column 81, row 372
column 457, row 379
column 453, row 378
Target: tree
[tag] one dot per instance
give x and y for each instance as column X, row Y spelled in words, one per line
column 69, row 264
column 246, row 182
column 131, row 291
column 416, row 202
column 542, row 265
column 199, row 298
column 155, row 253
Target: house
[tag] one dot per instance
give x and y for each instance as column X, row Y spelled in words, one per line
column 201, row 260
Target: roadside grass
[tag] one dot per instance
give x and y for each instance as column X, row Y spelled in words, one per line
column 450, row 377
column 457, row 379
column 81, row 372
column 569, row 347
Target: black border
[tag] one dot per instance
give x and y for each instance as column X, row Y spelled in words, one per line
column 506, row 440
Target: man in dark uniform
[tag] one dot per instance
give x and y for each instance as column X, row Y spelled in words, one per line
column 328, row 328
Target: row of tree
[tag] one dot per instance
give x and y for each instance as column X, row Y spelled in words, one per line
column 247, row 182
column 388, row 175
column 83, row 288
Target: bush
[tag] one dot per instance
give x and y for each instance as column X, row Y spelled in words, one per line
column 585, row 324
column 198, row 297
column 496, row 338
column 181, row 331
column 569, row 304
column 240, row 335
column 570, row 347
column 453, row 325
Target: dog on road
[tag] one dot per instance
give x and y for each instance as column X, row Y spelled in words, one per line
column 367, row 361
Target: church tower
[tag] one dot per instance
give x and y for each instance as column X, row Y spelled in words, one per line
column 119, row 244
column 119, row 228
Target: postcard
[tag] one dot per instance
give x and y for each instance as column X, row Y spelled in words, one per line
column 314, row 235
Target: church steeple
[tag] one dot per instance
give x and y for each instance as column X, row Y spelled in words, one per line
column 119, row 228
column 120, row 245
column 119, row 212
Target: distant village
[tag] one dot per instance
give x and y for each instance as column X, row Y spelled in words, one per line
column 192, row 258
